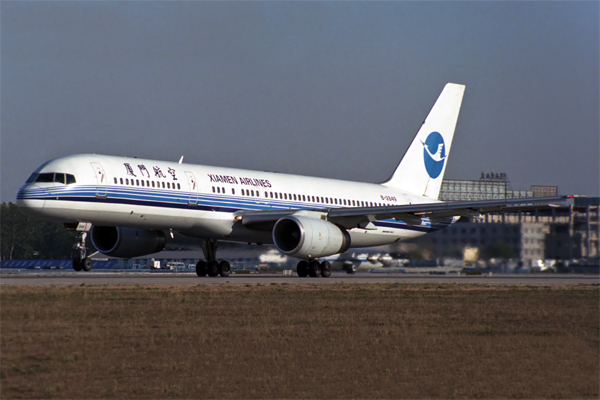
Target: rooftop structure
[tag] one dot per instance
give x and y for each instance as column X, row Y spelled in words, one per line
column 490, row 186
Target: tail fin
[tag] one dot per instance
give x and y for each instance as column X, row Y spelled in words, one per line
column 421, row 170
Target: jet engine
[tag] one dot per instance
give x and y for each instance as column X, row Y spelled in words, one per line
column 127, row 242
column 304, row 237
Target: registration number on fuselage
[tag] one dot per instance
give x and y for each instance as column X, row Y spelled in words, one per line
column 389, row 198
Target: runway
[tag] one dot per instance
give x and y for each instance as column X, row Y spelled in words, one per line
column 181, row 279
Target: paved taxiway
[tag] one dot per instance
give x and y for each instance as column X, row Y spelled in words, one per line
column 173, row 279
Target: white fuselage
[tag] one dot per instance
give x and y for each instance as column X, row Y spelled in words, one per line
column 201, row 201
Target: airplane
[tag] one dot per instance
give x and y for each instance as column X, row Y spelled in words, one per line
column 133, row 207
column 354, row 262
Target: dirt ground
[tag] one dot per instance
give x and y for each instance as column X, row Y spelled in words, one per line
column 300, row 341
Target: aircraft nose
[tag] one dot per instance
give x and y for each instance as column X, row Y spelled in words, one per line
column 31, row 200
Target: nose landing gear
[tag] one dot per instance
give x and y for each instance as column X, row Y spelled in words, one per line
column 82, row 263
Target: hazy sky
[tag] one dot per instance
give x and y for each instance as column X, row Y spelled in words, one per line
column 332, row 89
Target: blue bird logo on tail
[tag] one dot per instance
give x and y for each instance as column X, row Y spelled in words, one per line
column 434, row 154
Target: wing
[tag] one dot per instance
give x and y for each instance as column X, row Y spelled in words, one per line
column 412, row 214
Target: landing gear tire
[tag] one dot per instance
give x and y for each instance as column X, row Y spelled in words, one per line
column 350, row 269
column 212, row 268
column 86, row 264
column 224, row 268
column 77, row 264
column 325, row 269
column 302, row 269
column 314, row 269
column 201, row 268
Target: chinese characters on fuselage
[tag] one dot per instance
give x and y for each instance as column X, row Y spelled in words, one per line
column 146, row 173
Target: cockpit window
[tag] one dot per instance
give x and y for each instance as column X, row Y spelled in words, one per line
column 48, row 177
column 59, row 178
column 31, row 179
column 52, row 177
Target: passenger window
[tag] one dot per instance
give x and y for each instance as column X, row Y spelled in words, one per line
column 285, row 196
column 303, row 198
column 178, row 186
column 222, row 189
column 353, row 203
column 169, row 185
column 232, row 191
column 163, row 185
column 153, row 183
column 294, row 196
column 218, row 190
column 214, row 190
column 142, row 183
column 271, row 193
column 276, row 195
column 148, row 183
column 115, row 180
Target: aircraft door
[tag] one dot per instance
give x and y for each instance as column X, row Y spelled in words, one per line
column 101, row 179
column 193, row 199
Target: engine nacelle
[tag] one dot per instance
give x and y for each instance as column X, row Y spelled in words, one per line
column 305, row 237
column 127, row 242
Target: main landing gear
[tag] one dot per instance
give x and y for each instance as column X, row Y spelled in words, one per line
column 82, row 262
column 211, row 266
column 314, row 269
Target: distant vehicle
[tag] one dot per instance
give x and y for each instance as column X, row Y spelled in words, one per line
column 354, row 262
column 174, row 265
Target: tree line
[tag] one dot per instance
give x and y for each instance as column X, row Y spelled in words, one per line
column 24, row 237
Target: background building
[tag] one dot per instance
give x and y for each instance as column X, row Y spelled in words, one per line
column 565, row 233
